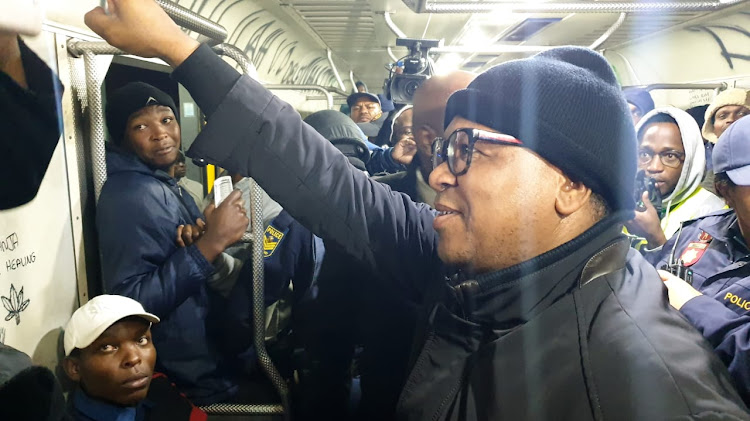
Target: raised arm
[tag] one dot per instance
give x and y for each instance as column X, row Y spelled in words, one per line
column 252, row 132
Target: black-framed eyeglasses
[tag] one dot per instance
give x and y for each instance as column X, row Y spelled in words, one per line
column 459, row 147
column 671, row 159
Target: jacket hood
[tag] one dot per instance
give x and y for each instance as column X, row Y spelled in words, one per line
column 334, row 125
column 393, row 122
column 694, row 167
column 121, row 162
column 733, row 96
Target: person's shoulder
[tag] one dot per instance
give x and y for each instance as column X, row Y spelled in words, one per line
column 653, row 344
column 391, row 179
column 709, row 219
column 709, row 199
column 131, row 192
column 131, row 184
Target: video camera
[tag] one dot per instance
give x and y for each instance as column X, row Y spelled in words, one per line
column 646, row 184
column 417, row 67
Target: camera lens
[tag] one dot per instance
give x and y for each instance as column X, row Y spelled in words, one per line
column 411, row 87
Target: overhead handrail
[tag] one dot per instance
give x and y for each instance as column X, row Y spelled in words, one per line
column 608, row 33
column 495, row 49
column 721, row 86
column 326, row 92
column 257, row 229
column 432, row 6
column 392, row 26
column 390, row 53
column 188, row 19
column 239, row 57
column 351, row 79
column 335, row 70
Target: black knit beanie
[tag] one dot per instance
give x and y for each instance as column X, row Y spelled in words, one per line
column 123, row 102
column 564, row 104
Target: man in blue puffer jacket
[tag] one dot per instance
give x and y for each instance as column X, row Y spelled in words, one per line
column 138, row 214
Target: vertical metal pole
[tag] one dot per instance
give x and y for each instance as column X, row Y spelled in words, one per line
column 96, row 122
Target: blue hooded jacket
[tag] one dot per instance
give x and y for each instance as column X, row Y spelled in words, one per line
column 137, row 216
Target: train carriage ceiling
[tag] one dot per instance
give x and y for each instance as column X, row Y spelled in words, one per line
column 357, row 32
column 288, row 38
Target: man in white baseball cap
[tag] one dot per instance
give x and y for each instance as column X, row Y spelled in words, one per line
column 109, row 353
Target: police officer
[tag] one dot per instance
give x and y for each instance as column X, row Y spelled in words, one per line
column 715, row 250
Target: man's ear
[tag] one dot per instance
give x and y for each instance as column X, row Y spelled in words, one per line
column 72, row 367
column 571, row 196
column 725, row 192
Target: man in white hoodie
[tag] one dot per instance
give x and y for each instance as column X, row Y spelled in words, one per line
column 671, row 152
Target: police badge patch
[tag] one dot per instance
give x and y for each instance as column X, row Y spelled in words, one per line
column 271, row 240
column 693, row 253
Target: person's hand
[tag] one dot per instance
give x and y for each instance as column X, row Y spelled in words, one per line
column 646, row 224
column 225, row 226
column 404, row 150
column 142, row 28
column 188, row 234
column 680, row 292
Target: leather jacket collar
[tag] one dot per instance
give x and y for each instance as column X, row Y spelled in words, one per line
column 512, row 296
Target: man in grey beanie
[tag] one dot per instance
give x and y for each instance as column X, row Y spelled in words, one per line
column 535, row 307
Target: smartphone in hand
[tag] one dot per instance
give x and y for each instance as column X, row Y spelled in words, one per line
column 222, row 189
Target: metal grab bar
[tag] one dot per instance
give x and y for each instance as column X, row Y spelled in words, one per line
column 335, row 70
column 669, row 86
column 188, row 19
column 329, row 97
column 608, row 33
column 238, row 56
column 79, row 48
column 428, row 6
column 256, row 223
column 392, row 26
column 96, row 123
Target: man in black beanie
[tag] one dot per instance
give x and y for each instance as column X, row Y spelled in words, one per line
column 139, row 214
column 541, row 310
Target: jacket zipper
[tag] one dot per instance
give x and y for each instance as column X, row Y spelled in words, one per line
column 466, row 292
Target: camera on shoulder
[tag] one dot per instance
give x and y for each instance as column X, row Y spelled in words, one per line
column 417, row 67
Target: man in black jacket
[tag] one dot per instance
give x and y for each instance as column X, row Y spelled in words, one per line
column 542, row 310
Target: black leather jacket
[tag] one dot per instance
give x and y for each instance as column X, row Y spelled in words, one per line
column 582, row 332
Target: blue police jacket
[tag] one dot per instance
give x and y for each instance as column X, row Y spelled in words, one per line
column 137, row 216
column 714, row 249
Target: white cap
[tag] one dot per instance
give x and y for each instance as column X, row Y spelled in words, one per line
column 94, row 317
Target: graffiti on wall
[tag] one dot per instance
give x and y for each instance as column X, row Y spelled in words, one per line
column 267, row 43
column 729, row 50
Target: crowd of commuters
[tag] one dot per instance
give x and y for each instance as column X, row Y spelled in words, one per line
column 462, row 257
